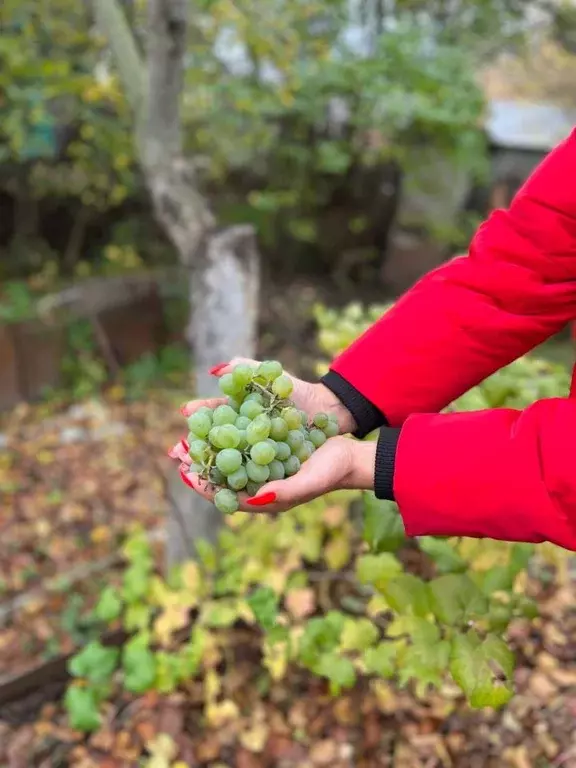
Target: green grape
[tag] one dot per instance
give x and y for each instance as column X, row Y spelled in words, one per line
column 224, row 415
column 237, row 480
column 226, row 501
column 304, row 417
column 251, row 408
column 242, row 422
column 235, row 402
column 333, row 417
column 279, row 428
column 257, row 473
column 317, row 437
column 228, row 436
column 199, row 450
column 292, row 417
column 291, row 466
column 320, row 420
column 269, row 370
column 213, row 436
column 262, row 453
column 305, row 451
column 228, row 461
column 205, row 409
column 258, row 430
column 243, row 442
column 217, row 477
column 283, row 386
column 200, row 424
column 252, row 488
column 295, row 439
column 283, row 451
column 228, row 385
column 195, row 468
column 273, row 443
column 277, row 471
column 256, row 397
column 242, row 375
column 331, row 429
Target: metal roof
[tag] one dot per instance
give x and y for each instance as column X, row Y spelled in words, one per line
column 528, row 126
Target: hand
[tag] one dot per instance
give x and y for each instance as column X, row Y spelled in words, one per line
column 308, row 397
column 340, row 463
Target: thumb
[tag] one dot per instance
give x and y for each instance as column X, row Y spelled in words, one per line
column 316, row 477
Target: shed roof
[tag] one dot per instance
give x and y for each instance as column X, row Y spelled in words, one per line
column 528, row 126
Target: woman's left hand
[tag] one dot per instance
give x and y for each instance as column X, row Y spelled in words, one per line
column 341, row 462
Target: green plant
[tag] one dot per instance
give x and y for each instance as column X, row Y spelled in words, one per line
column 83, row 370
column 17, row 302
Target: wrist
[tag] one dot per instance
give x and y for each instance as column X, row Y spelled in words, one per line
column 362, row 463
column 331, row 404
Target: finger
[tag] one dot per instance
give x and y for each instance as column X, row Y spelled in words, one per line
column 220, row 370
column 187, row 409
column 180, row 452
column 316, row 477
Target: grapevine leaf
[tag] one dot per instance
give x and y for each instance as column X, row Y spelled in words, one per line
column 264, row 605
column 418, row 629
column 383, row 526
column 95, row 663
column 358, row 634
column 220, row 614
column 445, row 556
column 109, row 606
column 424, row 662
column 478, row 667
column 139, row 665
column 520, row 556
column 407, row 594
column 381, row 659
column 456, row 599
column 500, row 578
column 377, row 569
column 82, row 707
column 321, row 635
column 338, row 670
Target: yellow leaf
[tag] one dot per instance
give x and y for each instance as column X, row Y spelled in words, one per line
column 191, row 578
column 162, row 751
column 334, row 516
column 301, row 602
column 377, row 605
column 212, row 685
column 219, row 714
column 337, row 552
column 100, row 534
column 276, row 660
column 254, row 740
column 384, row 696
column 173, row 618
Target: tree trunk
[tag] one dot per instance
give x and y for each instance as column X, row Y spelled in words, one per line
column 224, row 286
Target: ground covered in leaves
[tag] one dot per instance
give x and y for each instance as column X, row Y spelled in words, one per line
column 297, row 724
column 73, row 481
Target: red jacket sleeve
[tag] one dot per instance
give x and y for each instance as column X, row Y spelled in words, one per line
column 501, row 474
column 467, row 319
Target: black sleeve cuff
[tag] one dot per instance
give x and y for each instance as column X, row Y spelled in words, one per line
column 366, row 415
column 385, row 462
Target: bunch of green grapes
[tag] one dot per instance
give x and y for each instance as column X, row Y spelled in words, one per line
column 257, row 436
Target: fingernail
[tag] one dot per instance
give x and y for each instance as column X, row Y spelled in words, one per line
column 186, row 445
column 261, row 501
column 184, row 409
column 217, row 368
column 186, row 479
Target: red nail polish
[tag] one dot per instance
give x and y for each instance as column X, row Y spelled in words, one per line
column 186, row 445
column 217, row 368
column 186, row 479
column 261, row 501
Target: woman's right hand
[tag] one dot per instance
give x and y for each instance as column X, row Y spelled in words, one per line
column 308, row 397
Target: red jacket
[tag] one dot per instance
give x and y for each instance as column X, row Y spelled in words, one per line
column 502, row 474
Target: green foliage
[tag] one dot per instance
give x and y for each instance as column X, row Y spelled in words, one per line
column 17, row 302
